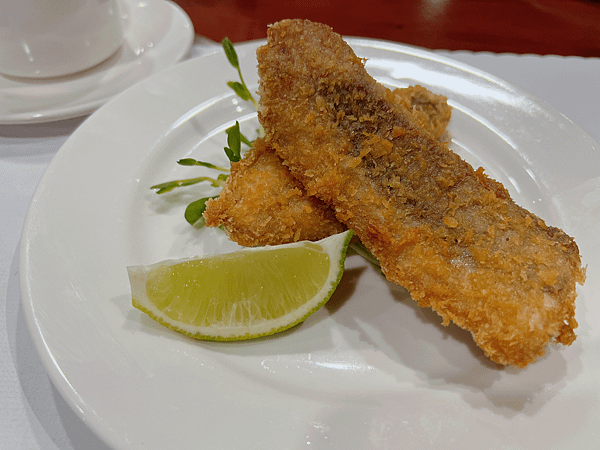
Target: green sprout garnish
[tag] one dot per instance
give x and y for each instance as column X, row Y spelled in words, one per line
column 215, row 182
column 195, row 210
column 235, row 139
column 240, row 87
column 194, row 162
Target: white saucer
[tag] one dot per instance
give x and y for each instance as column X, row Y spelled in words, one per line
column 158, row 34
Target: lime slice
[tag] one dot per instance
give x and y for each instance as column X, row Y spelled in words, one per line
column 242, row 295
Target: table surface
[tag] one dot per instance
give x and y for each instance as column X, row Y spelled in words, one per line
column 33, row 415
column 559, row 27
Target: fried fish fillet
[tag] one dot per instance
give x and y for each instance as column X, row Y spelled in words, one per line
column 430, row 111
column 262, row 203
column 449, row 234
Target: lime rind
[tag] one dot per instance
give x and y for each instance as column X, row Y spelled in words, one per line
column 336, row 247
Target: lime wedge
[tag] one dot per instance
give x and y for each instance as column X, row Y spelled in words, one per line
column 242, row 295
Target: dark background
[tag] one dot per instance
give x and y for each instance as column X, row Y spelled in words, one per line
column 559, row 27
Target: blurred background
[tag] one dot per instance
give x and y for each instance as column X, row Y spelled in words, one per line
column 558, row 27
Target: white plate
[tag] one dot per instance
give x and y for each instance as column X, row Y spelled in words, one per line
column 371, row 369
column 157, row 34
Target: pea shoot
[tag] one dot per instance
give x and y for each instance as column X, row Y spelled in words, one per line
column 195, row 210
column 240, row 87
column 235, row 139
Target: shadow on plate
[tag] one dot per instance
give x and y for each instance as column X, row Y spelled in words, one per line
column 381, row 342
column 447, row 358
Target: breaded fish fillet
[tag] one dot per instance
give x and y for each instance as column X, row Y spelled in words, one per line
column 449, row 234
column 262, row 203
column 430, row 111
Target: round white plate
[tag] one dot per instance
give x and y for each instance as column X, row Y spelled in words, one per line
column 369, row 370
column 157, row 34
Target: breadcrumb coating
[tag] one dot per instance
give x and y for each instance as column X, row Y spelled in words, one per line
column 448, row 233
column 430, row 111
column 262, row 203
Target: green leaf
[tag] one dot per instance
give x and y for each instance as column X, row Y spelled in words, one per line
column 193, row 162
column 234, row 137
column 233, row 157
column 240, row 90
column 194, row 211
column 234, row 141
column 165, row 187
column 246, row 141
column 230, row 52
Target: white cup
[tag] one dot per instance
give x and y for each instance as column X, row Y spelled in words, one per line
column 49, row 38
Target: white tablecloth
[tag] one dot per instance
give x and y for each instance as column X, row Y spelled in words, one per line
column 32, row 413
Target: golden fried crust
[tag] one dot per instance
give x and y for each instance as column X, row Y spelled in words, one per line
column 430, row 111
column 262, row 204
column 446, row 232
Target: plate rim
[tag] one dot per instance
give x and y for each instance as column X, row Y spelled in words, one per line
column 58, row 377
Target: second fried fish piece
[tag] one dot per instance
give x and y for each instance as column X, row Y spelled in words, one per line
column 262, row 204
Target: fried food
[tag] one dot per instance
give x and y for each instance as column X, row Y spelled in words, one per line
column 448, row 233
column 262, row 203
column 430, row 111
